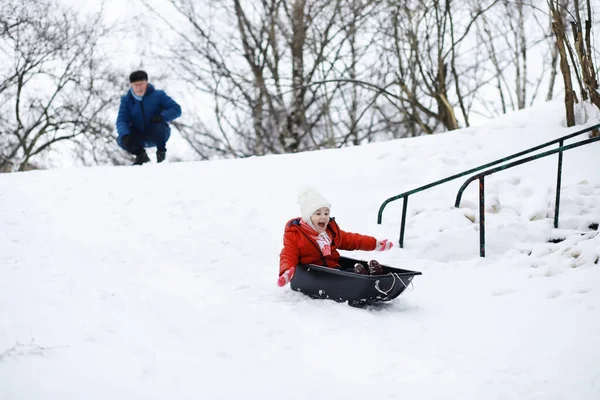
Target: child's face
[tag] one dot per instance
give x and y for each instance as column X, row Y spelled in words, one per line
column 320, row 219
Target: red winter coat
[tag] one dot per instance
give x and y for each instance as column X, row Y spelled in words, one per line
column 300, row 248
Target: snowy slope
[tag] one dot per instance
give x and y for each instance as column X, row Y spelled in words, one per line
column 158, row 282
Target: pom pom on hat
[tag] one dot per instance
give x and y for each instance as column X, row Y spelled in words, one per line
column 310, row 200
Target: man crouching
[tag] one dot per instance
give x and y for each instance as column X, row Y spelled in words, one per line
column 143, row 119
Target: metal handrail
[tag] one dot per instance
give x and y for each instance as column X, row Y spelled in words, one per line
column 483, row 174
column 450, row 178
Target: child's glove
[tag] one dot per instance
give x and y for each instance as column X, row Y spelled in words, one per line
column 384, row 244
column 286, row 277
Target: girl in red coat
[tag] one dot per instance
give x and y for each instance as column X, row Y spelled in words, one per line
column 315, row 239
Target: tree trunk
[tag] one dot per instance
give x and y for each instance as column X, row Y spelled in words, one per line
column 553, row 72
column 559, row 32
column 296, row 120
column 446, row 111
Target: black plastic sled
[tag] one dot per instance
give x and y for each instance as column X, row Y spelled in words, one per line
column 344, row 285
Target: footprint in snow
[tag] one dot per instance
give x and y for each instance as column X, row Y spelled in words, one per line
column 527, row 192
column 583, row 290
column 551, row 272
column 450, row 161
column 502, row 291
column 586, row 190
column 554, row 294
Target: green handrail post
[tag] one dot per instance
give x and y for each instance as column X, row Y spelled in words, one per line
column 403, row 222
column 482, row 215
column 558, row 183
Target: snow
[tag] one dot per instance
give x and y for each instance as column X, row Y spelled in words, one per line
column 159, row 281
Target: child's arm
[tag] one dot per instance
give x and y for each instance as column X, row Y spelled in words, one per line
column 356, row 241
column 288, row 258
column 286, row 277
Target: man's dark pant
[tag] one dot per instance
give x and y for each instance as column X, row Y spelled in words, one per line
column 156, row 133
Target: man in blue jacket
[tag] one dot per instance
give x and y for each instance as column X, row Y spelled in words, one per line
column 143, row 119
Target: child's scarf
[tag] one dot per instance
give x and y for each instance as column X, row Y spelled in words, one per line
column 322, row 239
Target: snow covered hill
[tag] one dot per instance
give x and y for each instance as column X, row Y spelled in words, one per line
column 158, row 282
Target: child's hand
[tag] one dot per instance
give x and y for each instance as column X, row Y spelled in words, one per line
column 286, row 277
column 384, row 244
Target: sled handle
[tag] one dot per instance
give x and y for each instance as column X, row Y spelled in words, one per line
column 386, row 292
column 395, row 276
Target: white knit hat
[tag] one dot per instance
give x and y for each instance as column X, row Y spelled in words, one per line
column 310, row 201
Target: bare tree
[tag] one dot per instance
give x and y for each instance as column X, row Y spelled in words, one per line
column 514, row 35
column 274, row 76
column 562, row 4
column 293, row 75
column 53, row 85
column 430, row 63
column 359, row 121
column 576, row 53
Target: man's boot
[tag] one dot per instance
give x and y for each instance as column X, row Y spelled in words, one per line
column 161, row 155
column 141, row 158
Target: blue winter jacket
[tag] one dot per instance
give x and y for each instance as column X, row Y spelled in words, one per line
column 134, row 115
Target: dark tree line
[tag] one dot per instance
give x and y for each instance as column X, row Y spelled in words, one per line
column 295, row 75
column 287, row 76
